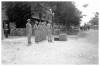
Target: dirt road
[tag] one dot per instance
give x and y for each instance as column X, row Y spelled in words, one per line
column 81, row 49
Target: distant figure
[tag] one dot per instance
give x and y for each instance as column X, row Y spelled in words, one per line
column 44, row 30
column 36, row 32
column 29, row 31
column 49, row 28
column 88, row 27
column 6, row 30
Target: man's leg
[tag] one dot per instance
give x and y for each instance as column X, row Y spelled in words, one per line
column 29, row 40
column 49, row 38
column 6, row 34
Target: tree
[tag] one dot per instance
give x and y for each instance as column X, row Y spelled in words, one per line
column 67, row 14
column 18, row 12
column 95, row 19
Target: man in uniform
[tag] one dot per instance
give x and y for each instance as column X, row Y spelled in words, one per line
column 6, row 30
column 29, row 31
column 40, row 28
column 36, row 32
column 44, row 30
column 49, row 28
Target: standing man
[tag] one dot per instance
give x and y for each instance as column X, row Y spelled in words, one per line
column 6, row 30
column 29, row 31
column 40, row 28
column 36, row 32
column 49, row 27
column 44, row 30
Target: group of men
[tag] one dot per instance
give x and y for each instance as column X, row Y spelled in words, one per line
column 85, row 28
column 42, row 31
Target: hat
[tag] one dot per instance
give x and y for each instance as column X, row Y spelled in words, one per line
column 28, row 20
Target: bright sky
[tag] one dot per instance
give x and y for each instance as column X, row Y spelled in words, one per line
column 93, row 6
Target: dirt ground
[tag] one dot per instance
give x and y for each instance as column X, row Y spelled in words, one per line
column 80, row 49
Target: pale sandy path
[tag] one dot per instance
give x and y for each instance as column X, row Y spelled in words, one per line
column 77, row 50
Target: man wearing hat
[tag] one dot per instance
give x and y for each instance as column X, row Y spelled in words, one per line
column 36, row 32
column 29, row 31
column 44, row 30
column 49, row 28
column 6, row 30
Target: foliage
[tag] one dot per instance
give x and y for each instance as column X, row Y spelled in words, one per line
column 95, row 20
column 18, row 12
column 67, row 14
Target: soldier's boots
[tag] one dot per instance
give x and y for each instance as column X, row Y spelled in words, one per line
column 29, row 43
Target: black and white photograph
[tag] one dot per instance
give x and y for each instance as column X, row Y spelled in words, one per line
column 50, row 32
